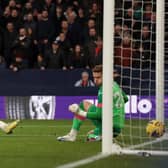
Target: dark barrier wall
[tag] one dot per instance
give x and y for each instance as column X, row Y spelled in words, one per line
column 36, row 82
column 61, row 83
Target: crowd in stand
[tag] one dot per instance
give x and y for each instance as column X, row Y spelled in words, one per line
column 135, row 33
column 67, row 34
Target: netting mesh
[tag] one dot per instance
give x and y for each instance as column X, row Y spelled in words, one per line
column 135, row 61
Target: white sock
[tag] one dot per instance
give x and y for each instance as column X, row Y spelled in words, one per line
column 3, row 125
column 73, row 133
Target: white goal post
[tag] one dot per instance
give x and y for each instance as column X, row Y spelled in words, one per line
column 146, row 145
column 108, row 31
column 160, row 39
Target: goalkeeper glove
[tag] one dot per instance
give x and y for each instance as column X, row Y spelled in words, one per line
column 74, row 108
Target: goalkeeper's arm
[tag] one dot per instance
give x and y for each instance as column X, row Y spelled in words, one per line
column 91, row 114
column 96, row 114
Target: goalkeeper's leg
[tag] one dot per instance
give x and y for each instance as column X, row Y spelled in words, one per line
column 95, row 134
column 8, row 127
column 3, row 125
column 76, row 124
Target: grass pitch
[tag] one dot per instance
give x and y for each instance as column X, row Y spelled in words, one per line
column 33, row 145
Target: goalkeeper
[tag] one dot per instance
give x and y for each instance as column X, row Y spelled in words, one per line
column 8, row 127
column 94, row 113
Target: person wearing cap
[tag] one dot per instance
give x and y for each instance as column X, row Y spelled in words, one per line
column 55, row 57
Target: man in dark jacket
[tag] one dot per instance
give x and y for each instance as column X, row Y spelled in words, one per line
column 22, row 50
column 55, row 57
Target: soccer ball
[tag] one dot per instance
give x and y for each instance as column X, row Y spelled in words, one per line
column 155, row 128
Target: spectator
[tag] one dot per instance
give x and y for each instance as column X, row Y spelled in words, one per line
column 35, row 50
column 2, row 63
column 86, row 35
column 124, row 52
column 98, row 57
column 90, row 47
column 78, row 59
column 27, row 10
column 147, row 48
column 50, row 7
column 21, row 51
column 45, row 31
column 81, row 18
column 65, row 46
column 6, row 15
column 96, row 14
column 76, row 5
column 58, row 18
column 148, row 12
column 74, row 29
column 15, row 18
column 10, row 35
column 12, row 4
column 41, row 64
column 30, row 23
column 55, row 57
column 64, row 27
column 68, row 11
column 84, row 81
column 117, row 35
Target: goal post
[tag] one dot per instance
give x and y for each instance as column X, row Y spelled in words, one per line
column 108, row 52
column 140, row 65
column 160, row 38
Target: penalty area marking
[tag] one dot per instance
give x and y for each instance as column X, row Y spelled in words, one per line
column 84, row 161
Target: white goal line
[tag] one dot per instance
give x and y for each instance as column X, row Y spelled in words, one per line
column 127, row 151
column 84, row 161
column 163, row 138
column 131, row 150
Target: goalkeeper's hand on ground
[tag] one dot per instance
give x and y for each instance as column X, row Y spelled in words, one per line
column 74, row 108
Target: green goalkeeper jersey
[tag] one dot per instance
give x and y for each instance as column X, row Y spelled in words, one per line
column 119, row 100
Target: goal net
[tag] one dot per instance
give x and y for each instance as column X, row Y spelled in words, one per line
column 135, row 55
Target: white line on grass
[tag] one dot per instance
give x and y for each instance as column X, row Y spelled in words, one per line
column 129, row 150
column 28, row 135
column 163, row 138
column 84, row 161
column 54, row 126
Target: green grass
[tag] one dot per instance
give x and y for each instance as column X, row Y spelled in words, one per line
column 33, row 145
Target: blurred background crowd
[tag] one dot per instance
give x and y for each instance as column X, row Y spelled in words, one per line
column 67, row 34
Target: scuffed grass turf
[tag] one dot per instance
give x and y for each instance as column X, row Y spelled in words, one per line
column 33, row 145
